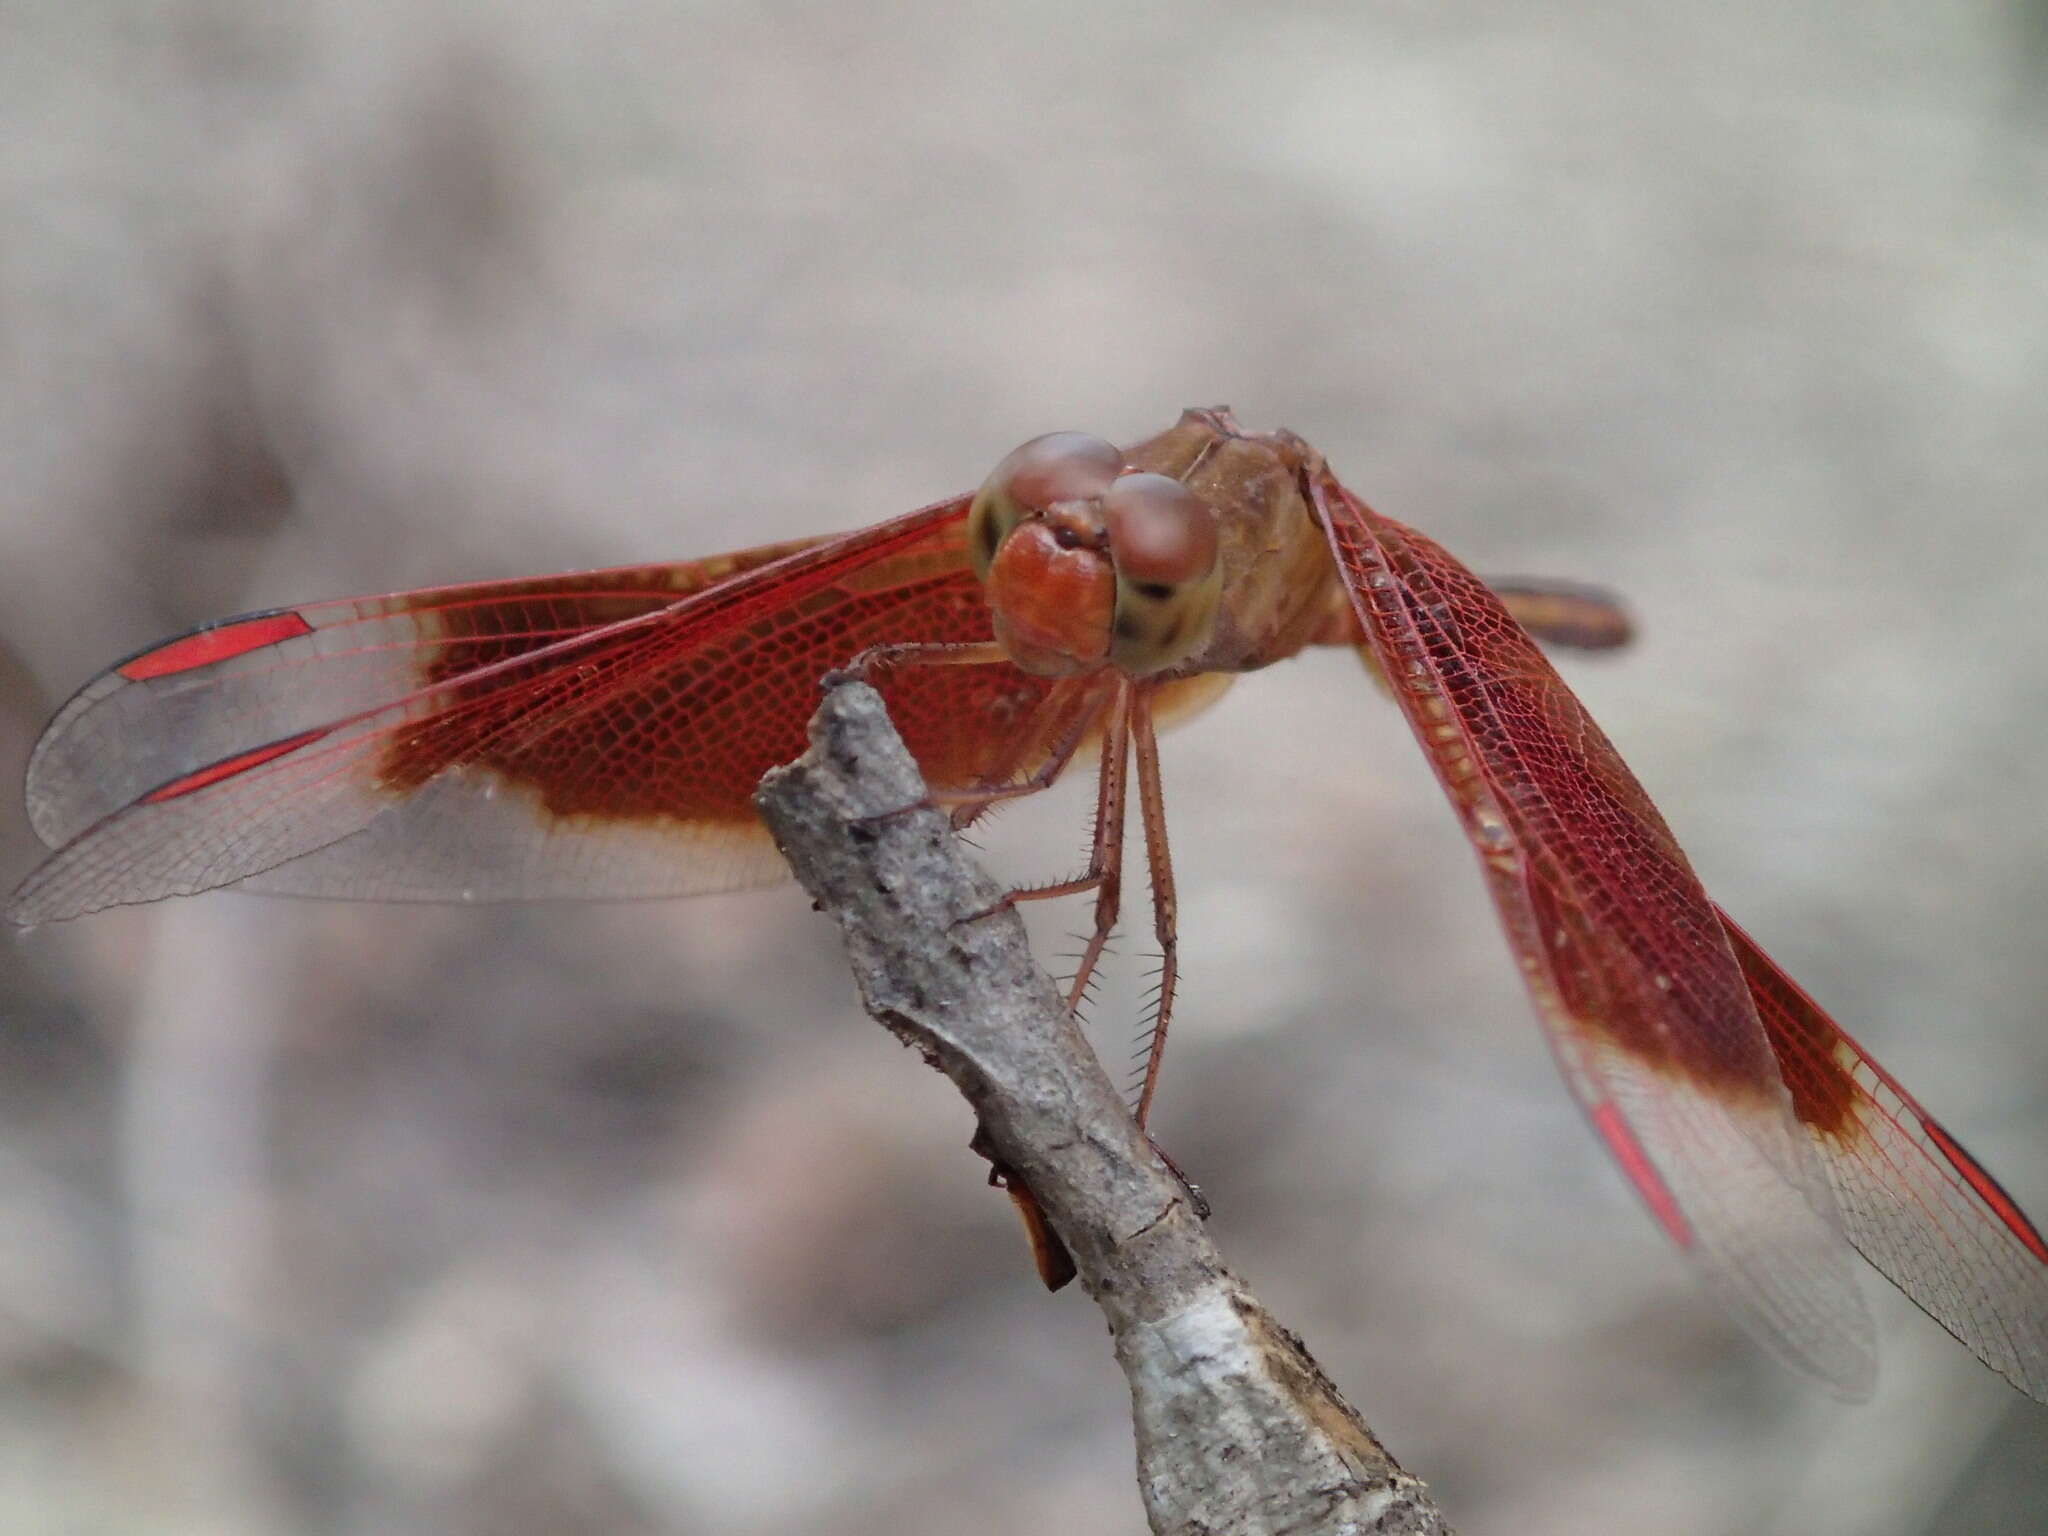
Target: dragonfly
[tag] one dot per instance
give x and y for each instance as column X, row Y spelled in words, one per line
column 599, row 734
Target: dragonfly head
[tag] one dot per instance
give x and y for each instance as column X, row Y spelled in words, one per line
column 1087, row 562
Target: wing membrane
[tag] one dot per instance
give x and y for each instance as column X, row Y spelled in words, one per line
column 1924, row 1212
column 596, row 734
column 1641, row 995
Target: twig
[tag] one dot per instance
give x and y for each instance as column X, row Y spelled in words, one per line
column 1238, row 1430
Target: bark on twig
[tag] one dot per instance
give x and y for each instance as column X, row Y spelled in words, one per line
column 1238, row 1430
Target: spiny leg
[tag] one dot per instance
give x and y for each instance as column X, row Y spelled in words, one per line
column 881, row 658
column 966, row 804
column 1165, row 906
column 1106, row 857
column 919, row 653
column 1104, row 874
column 1065, row 746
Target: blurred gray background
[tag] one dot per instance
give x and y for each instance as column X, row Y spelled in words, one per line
column 318, row 1218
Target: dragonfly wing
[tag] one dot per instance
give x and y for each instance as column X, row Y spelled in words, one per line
column 1924, row 1212
column 201, row 697
column 597, row 734
column 1643, row 1001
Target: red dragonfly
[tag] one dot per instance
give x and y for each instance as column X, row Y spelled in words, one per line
column 600, row 733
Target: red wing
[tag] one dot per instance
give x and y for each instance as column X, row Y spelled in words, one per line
column 1914, row 1203
column 596, row 734
column 1642, row 997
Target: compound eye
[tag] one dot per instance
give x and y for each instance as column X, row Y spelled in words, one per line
column 1058, row 467
column 1163, row 543
column 1160, row 533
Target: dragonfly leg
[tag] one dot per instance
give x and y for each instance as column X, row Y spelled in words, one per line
column 965, row 804
column 1106, row 854
column 1165, row 906
column 975, row 801
column 1104, row 874
column 1198, row 1201
column 880, row 658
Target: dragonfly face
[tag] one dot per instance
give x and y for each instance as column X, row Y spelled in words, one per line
column 1089, row 562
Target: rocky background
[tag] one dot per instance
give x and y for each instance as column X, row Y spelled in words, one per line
column 319, row 1218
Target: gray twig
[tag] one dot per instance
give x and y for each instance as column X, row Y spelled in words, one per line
column 1238, row 1430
